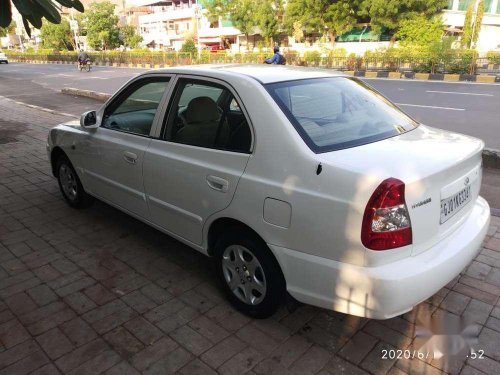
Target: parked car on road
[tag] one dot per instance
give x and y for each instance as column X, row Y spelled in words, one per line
column 3, row 58
column 292, row 179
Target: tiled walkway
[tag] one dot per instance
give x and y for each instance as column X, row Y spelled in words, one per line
column 95, row 291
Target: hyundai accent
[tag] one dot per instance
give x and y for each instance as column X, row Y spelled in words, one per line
column 293, row 180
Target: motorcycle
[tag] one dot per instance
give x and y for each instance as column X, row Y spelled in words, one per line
column 81, row 65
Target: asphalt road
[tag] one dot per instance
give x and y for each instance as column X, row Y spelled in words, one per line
column 463, row 107
column 472, row 109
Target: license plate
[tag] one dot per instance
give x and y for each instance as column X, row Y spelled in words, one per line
column 451, row 205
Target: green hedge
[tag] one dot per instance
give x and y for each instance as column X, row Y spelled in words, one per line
column 493, row 57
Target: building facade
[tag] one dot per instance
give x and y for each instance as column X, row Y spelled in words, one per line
column 489, row 36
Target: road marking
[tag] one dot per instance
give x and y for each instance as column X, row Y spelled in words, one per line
column 431, row 106
column 459, row 93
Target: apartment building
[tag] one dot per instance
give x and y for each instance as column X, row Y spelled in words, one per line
column 489, row 37
column 170, row 22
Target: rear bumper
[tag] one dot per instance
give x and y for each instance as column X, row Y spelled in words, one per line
column 388, row 290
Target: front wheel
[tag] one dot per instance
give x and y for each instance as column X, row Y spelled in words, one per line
column 249, row 273
column 70, row 184
column 88, row 67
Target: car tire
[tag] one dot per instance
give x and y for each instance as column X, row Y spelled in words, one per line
column 70, row 184
column 249, row 274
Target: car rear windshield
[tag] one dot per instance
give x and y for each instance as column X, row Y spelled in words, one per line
column 338, row 112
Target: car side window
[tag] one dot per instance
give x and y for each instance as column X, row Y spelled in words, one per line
column 135, row 111
column 207, row 114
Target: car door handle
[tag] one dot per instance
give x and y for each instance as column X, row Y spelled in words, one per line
column 218, row 183
column 130, row 157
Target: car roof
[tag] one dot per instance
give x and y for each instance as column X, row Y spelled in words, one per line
column 262, row 73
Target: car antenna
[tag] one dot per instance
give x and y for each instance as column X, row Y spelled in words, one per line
column 319, row 169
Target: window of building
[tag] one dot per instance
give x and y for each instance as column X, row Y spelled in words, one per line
column 464, row 4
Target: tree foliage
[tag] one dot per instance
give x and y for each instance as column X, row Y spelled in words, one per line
column 268, row 14
column 390, row 13
column 467, row 31
column 101, row 26
column 10, row 29
column 189, row 46
column 129, row 36
column 57, row 36
column 34, row 11
column 420, row 30
column 478, row 22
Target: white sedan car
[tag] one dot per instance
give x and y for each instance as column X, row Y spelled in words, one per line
column 291, row 179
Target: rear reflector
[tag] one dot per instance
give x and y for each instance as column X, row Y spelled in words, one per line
column 386, row 222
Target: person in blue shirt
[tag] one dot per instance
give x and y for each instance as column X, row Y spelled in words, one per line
column 276, row 59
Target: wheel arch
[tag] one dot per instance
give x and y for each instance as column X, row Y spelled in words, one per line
column 55, row 154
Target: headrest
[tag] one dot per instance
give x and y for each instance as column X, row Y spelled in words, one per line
column 202, row 109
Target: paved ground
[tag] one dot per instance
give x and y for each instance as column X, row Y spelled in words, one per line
column 95, row 291
column 463, row 107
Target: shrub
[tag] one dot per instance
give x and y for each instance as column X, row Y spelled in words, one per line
column 312, row 58
column 189, row 46
column 493, row 57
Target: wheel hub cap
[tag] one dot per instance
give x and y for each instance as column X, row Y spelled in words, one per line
column 244, row 274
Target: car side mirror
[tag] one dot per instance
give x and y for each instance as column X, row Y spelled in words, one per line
column 89, row 120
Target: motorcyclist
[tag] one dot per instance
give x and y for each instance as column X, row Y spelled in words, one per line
column 277, row 58
column 83, row 57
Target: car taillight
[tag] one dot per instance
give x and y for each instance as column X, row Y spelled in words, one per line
column 386, row 222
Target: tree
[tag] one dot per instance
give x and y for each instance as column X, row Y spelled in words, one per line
column 101, row 26
column 477, row 23
column 420, row 31
column 323, row 16
column 57, row 36
column 129, row 36
column 297, row 32
column 33, row 11
column 467, row 31
column 189, row 46
column 391, row 13
column 10, row 29
column 472, row 24
column 242, row 13
column 268, row 16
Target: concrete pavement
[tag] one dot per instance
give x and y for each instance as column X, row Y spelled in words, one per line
column 96, row 291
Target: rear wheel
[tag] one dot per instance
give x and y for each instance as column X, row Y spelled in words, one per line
column 249, row 273
column 70, row 185
column 88, row 67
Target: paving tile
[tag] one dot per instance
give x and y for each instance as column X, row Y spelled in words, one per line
column 196, row 367
column 20, row 303
column 153, row 353
column 123, row 342
column 191, row 340
column 81, row 355
column 356, row 349
column 79, row 302
column 42, row 295
column 78, row 331
column 241, row 362
column 122, row 368
column 26, row 365
column 172, row 362
column 208, row 329
column 143, row 330
column 54, row 343
column 12, row 333
column 313, row 360
column 138, row 301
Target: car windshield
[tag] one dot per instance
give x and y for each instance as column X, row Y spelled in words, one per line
column 338, row 112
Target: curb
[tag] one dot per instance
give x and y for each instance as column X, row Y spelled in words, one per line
column 491, row 157
column 372, row 74
column 100, row 96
